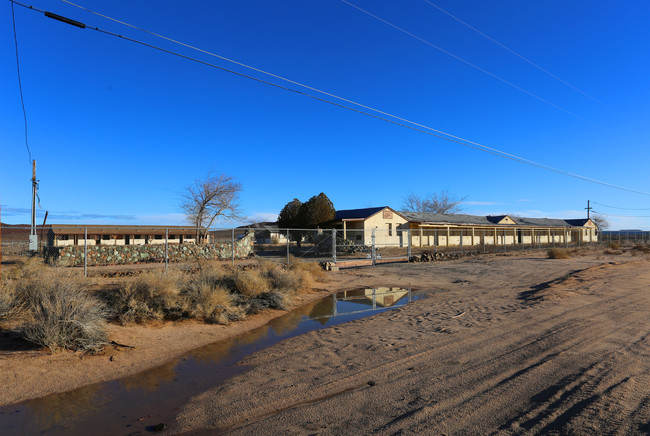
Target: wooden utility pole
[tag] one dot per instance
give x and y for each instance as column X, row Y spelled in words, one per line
column 33, row 239
column 588, row 209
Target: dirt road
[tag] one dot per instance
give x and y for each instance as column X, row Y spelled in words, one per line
column 516, row 344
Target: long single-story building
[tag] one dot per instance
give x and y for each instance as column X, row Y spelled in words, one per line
column 62, row 235
column 393, row 228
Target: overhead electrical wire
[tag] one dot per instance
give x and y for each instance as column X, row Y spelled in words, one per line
column 483, row 70
column 403, row 122
column 20, row 85
column 517, row 54
column 623, row 216
column 622, row 208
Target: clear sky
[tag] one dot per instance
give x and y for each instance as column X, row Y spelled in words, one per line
column 119, row 130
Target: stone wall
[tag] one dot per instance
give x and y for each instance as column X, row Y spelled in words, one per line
column 125, row 254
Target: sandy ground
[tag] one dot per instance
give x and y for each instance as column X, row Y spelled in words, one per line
column 517, row 344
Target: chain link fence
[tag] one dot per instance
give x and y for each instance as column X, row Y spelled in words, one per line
column 92, row 246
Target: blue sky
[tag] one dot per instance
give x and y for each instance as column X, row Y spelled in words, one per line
column 119, row 130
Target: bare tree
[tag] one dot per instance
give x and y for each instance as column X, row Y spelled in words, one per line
column 441, row 202
column 600, row 220
column 216, row 196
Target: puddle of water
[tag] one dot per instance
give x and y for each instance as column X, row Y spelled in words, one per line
column 135, row 403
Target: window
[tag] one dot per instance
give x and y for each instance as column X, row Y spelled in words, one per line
column 106, row 237
column 158, row 237
column 390, row 229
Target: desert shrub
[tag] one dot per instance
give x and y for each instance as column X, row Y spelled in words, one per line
column 150, row 296
column 614, row 245
column 279, row 278
column 210, row 302
column 8, row 306
column 25, row 269
column 61, row 313
column 250, row 283
column 557, row 253
column 642, row 248
column 281, row 300
column 314, row 269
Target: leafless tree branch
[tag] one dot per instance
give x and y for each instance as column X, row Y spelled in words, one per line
column 215, row 196
column 441, row 202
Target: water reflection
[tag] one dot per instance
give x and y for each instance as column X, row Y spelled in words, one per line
column 59, row 411
column 135, row 402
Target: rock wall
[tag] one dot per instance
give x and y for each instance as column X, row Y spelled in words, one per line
column 125, row 254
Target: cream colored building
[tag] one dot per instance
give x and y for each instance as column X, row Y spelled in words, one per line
column 392, row 228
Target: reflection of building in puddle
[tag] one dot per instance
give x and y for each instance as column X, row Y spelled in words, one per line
column 381, row 296
column 57, row 411
column 358, row 301
column 286, row 323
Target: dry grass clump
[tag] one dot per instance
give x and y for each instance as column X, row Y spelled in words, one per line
column 207, row 296
column 59, row 313
column 212, row 304
column 8, row 308
column 614, row 245
column 250, row 283
column 558, row 253
column 642, row 248
column 159, row 296
column 151, row 296
column 213, row 293
column 314, row 270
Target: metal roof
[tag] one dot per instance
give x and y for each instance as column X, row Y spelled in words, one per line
column 267, row 225
column 73, row 229
column 351, row 214
column 490, row 220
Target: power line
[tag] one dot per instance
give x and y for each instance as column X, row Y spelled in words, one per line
column 20, row 85
column 312, row 88
column 483, row 70
column 517, row 54
column 412, row 125
column 621, row 208
column 624, row 216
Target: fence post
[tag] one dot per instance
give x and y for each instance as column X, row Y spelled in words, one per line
column 408, row 234
column 232, row 238
column 334, row 245
column 566, row 239
column 373, row 252
column 85, row 251
column 435, row 241
column 483, row 240
column 166, row 248
column 287, row 246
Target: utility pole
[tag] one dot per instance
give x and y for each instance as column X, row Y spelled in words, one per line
column 588, row 209
column 33, row 239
